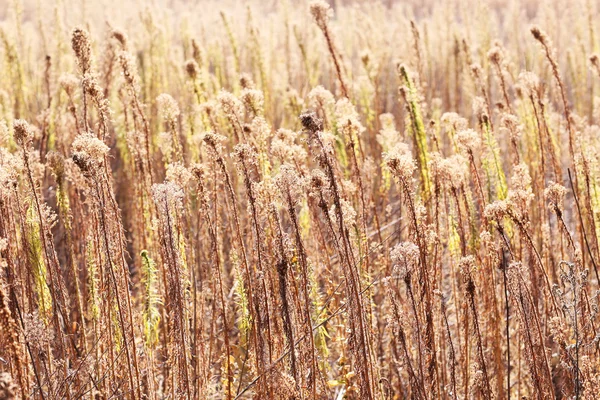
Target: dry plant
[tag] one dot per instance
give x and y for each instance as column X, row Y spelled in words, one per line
column 299, row 200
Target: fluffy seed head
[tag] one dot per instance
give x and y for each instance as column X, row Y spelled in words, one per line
column 496, row 210
column 400, row 163
column 22, row 132
column 496, row 55
column 468, row 139
column 168, row 106
column 311, row 122
column 253, row 100
column 69, row 83
column 404, row 257
column 555, row 194
column 88, row 151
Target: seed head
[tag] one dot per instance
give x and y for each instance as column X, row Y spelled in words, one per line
column 538, row 34
column 404, row 257
column 191, row 68
column 530, row 83
column 231, row 105
column 318, row 180
column 288, row 181
column 496, row 210
column 555, row 194
column 128, row 66
column 520, row 191
column 320, row 97
column 246, row 81
column 121, row 37
column 80, row 41
column 311, row 122
column 468, row 139
column 56, row 162
column 22, row 132
column 321, row 12
column 253, row 100
column 168, row 106
column 400, row 163
column 454, row 121
column 167, row 194
column 496, row 55
column 88, row 151
column 69, row 83
column 178, row 174
column 214, row 141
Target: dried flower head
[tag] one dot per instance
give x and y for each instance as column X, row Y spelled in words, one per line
column 311, row 122
column 468, row 139
column 467, row 266
column 520, row 192
column 555, row 195
column 347, row 117
column 529, row 83
column 453, row 170
column 477, row 73
column 480, row 108
column 88, row 151
column 246, row 81
column 232, row 107
column 496, row 54
column 496, row 210
column 289, row 182
column 11, row 168
column 253, row 100
column 454, row 121
column 319, row 97
column 167, row 195
column 92, row 87
column 56, row 162
column 245, row 153
column 388, row 135
column 69, row 83
column 321, row 12
column 400, row 162
column 178, row 174
column 22, row 132
column 318, row 180
column 81, row 44
column 168, row 107
column 284, row 146
column 214, row 141
column 404, row 257
column 538, row 34
column 121, row 37
column 192, row 69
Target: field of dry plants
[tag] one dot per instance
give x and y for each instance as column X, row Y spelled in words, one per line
column 299, row 200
